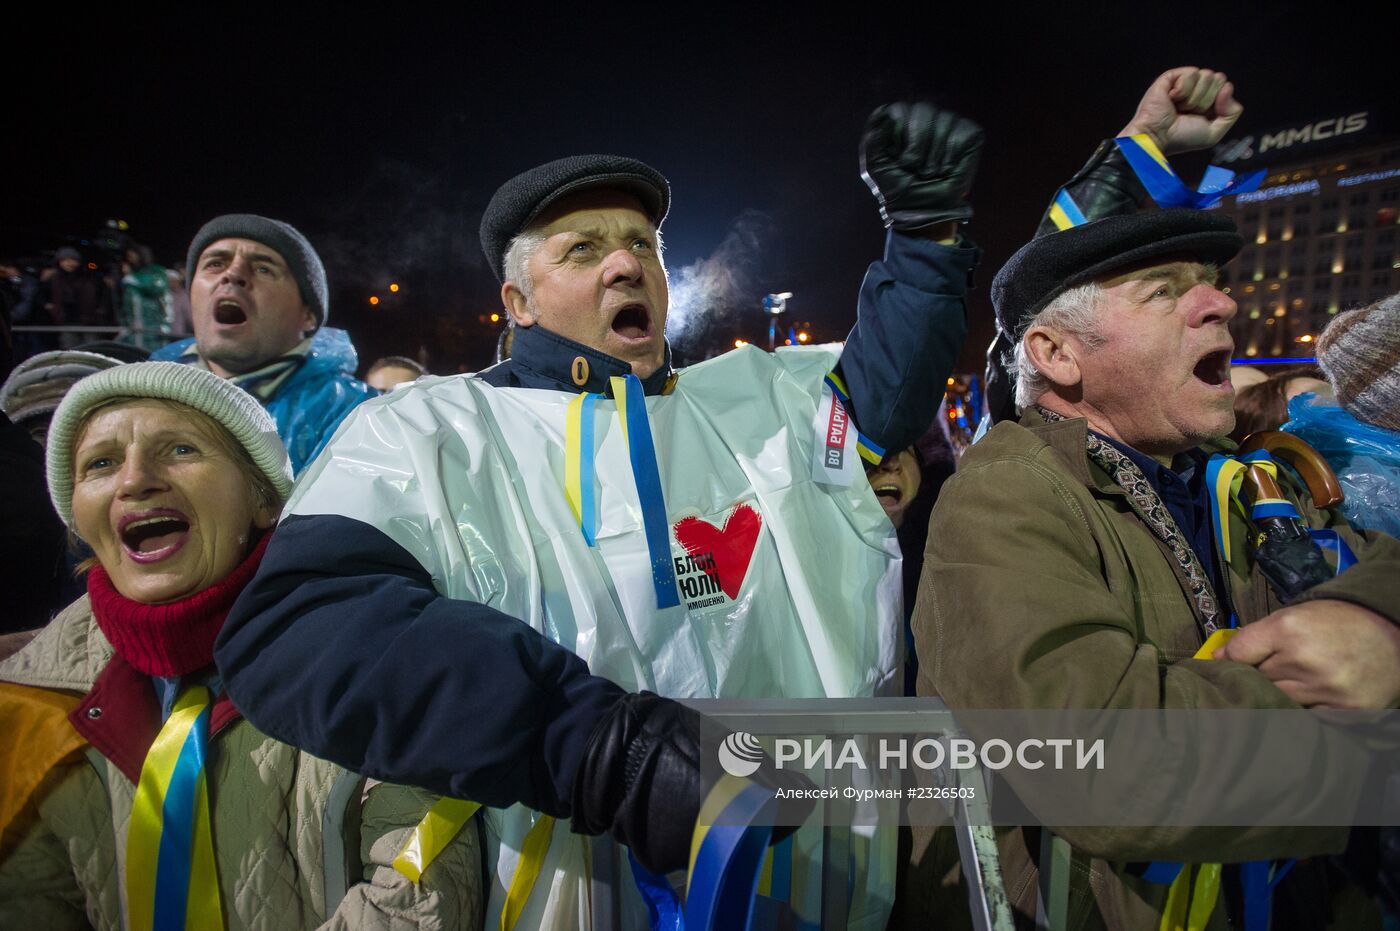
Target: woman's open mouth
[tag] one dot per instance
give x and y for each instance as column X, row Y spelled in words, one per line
column 890, row 497
column 632, row 322
column 151, row 536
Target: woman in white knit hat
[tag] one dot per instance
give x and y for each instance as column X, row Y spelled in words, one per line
column 132, row 793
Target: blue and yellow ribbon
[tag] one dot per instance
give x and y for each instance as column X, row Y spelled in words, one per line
column 1168, row 190
column 868, row 449
column 726, row 854
column 580, row 477
column 171, row 882
column 636, row 432
column 578, row 464
column 1224, row 476
column 1065, row 213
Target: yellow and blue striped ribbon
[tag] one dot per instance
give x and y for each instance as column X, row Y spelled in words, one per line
column 1168, row 190
column 580, row 479
column 579, row 486
column 1224, row 476
column 1065, row 213
column 636, row 432
column 868, row 449
column 726, row 854
column 171, row 881
column 430, row 837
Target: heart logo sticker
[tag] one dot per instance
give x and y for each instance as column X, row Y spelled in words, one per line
column 724, row 551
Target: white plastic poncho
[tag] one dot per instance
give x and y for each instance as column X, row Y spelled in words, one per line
column 789, row 588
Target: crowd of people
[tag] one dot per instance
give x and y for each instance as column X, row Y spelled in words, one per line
column 319, row 618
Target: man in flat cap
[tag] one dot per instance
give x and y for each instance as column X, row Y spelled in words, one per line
column 1073, row 560
column 259, row 301
column 486, row 581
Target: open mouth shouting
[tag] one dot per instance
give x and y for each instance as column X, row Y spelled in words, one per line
column 891, row 496
column 632, row 322
column 1213, row 369
column 229, row 312
column 153, row 535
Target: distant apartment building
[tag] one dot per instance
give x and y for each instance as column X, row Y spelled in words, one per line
column 1320, row 233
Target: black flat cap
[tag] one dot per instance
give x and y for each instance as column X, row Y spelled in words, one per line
column 1049, row 265
column 523, row 198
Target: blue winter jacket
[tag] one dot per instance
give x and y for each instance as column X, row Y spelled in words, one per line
column 313, row 401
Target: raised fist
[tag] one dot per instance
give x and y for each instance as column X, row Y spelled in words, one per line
column 1186, row 109
column 919, row 162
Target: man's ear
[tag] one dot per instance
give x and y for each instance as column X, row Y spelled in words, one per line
column 516, row 305
column 308, row 319
column 1054, row 355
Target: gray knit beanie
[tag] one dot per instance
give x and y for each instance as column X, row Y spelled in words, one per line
column 1360, row 354
column 294, row 248
column 225, row 402
column 37, row 385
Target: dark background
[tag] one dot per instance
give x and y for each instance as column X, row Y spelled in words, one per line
column 382, row 137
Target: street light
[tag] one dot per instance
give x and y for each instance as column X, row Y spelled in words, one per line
column 775, row 305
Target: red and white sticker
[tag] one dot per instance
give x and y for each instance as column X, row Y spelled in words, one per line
column 834, row 453
column 716, row 559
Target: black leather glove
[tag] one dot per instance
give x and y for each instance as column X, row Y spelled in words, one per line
column 919, row 162
column 640, row 781
column 1106, row 186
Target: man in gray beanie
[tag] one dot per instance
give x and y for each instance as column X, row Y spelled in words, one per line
column 259, row 301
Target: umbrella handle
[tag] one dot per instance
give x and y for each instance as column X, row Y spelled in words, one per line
column 1322, row 482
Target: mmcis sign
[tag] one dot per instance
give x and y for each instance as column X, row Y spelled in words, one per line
column 1250, row 147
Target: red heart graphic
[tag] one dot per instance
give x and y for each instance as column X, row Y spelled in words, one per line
column 732, row 546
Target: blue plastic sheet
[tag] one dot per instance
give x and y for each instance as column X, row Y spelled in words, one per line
column 1365, row 457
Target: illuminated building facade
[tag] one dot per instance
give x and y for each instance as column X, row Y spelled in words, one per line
column 1320, row 233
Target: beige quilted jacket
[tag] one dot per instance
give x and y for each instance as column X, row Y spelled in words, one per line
column 299, row 842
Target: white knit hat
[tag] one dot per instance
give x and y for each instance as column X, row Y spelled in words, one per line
column 229, row 405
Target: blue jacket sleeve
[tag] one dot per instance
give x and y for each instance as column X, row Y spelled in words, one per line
column 910, row 326
column 341, row 646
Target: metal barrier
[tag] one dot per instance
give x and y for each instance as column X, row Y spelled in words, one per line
column 987, row 899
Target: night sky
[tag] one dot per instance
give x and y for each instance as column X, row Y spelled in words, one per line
column 383, row 137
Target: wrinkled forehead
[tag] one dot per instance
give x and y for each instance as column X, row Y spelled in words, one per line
column 120, row 417
column 594, row 210
column 1183, row 270
column 251, row 248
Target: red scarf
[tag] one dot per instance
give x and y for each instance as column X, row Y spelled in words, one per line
column 169, row 639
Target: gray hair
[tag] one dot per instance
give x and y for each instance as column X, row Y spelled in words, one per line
column 521, row 250
column 1074, row 312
